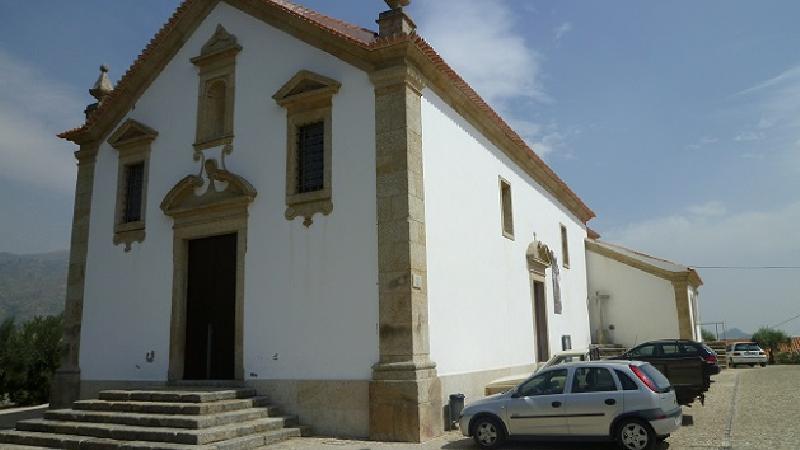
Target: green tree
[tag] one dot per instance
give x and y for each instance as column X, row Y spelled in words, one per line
column 29, row 355
column 770, row 338
column 708, row 336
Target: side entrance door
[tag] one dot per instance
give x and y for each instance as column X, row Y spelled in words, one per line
column 540, row 322
column 211, row 308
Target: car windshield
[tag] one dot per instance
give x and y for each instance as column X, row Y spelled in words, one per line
column 749, row 347
column 662, row 383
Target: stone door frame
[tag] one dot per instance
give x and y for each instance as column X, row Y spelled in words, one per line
column 221, row 208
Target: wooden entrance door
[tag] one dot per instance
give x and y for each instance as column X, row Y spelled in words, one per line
column 211, row 308
column 540, row 322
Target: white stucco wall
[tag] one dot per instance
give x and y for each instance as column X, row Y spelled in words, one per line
column 310, row 293
column 641, row 306
column 479, row 291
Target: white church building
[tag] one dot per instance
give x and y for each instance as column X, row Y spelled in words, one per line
column 626, row 287
column 327, row 214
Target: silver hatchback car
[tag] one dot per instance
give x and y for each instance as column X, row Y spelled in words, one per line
column 630, row 402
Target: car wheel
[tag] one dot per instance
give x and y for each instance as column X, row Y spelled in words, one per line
column 633, row 434
column 732, row 365
column 488, row 432
column 763, row 364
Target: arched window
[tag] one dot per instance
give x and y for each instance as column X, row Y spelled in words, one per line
column 215, row 109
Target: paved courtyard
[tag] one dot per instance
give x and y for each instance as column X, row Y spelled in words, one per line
column 750, row 408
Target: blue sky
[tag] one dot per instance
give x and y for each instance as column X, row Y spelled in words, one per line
column 677, row 122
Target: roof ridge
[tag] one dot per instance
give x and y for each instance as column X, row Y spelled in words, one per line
column 325, row 16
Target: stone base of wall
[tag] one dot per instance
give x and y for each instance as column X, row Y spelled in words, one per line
column 471, row 384
column 330, row 407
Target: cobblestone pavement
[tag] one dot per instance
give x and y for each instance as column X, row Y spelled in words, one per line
column 749, row 408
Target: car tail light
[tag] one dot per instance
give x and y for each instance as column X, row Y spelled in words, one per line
column 645, row 379
column 737, row 353
column 711, row 359
column 761, row 353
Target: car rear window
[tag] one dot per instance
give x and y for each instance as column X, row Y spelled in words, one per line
column 627, row 382
column 662, row 383
column 747, row 347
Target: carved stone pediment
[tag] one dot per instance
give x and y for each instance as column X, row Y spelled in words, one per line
column 306, row 85
column 132, row 133
column 539, row 255
column 221, row 44
column 225, row 192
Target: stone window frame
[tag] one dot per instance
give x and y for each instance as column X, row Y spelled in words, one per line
column 308, row 98
column 507, row 229
column 132, row 140
column 216, row 63
column 564, row 245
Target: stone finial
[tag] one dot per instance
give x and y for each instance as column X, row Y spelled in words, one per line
column 102, row 86
column 395, row 21
column 397, row 4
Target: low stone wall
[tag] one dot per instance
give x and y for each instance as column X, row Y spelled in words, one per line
column 9, row 417
column 472, row 384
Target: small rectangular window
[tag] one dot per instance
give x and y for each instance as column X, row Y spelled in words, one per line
column 507, row 216
column 310, row 157
column 134, row 182
column 564, row 247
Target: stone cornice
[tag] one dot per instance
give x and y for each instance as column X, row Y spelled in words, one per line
column 688, row 277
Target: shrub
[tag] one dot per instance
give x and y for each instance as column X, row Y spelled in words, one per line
column 787, row 358
column 708, row 336
column 29, row 355
column 770, row 339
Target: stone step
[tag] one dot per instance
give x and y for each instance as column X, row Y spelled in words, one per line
column 220, row 406
column 157, row 434
column 177, row 395
column 206, row 384
column 62, row 441
column 65, row 441
column 163, row 420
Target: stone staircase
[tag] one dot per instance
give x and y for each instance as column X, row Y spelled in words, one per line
column 606, row 351
column 191, row 419
column 720, row 348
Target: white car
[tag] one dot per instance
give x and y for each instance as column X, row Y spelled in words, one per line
column 629, row 402
column 746, row 353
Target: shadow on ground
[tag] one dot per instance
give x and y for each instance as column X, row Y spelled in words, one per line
column 543, row 445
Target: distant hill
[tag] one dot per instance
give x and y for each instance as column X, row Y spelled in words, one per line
column 32, row 285
column 735, row 333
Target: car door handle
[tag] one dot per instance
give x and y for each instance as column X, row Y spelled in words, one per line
column 556, row 404
column 611, row 401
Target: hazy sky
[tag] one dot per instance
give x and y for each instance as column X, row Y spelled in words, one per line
column 677, row 122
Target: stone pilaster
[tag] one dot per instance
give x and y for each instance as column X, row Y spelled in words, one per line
column 682, row 304
column 65, row 387
column 405, row 394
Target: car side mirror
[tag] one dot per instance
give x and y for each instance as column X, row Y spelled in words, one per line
column 515, row 393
